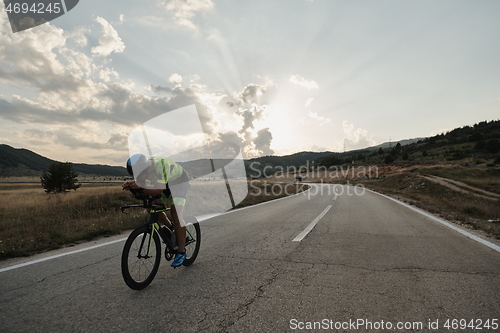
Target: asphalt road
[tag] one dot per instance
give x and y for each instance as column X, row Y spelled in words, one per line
column 367, row 258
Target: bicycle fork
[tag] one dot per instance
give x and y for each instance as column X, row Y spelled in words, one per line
column 150, row 241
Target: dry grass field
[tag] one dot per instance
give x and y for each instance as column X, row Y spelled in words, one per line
column 32, row 221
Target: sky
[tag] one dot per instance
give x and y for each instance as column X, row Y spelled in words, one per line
column 274, row 77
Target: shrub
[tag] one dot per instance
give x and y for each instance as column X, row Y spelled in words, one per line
column 60, row 178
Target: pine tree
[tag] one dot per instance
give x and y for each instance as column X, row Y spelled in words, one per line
column 60, row 178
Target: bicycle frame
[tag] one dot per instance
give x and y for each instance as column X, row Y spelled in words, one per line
column 142, row 251
column 153, row 225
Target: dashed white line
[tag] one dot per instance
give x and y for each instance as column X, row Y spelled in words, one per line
column 311, row 225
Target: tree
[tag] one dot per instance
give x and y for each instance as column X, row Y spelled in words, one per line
column 480, row 145
column 492, row 146
column 389, row 159
column 60, row 178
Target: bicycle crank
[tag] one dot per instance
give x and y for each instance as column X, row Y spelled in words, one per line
column 169, row 255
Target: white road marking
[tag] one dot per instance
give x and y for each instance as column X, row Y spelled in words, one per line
column 449, row 225
column 59, row 255
column 311, row 225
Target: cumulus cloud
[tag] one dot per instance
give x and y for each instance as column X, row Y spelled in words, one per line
column 30, row 57
column 71, row 85
column 251, row 113
column 115, row 141
column 78, row 36
column 309, row 101
column 110, row 41
column 106, row 74
column 299, row 80
column 259, row 94
column 76, row 138
column 159, row 89
column 249, row 93
column 263, row 142
column 322, row 120
column 48, row 60
column 175, row 78
column 36, row 136
column 78, row 100
column 183, row 11
column 356, row 138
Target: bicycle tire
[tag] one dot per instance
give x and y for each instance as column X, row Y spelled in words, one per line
column 193, row 239
column 138, row 269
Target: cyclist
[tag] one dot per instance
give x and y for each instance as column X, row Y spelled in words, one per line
column 161, row 175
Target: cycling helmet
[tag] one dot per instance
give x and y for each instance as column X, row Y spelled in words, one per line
column 137, row 163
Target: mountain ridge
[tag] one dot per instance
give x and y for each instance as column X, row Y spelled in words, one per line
column 19, row 162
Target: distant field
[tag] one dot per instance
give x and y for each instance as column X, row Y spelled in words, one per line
column 32, row 221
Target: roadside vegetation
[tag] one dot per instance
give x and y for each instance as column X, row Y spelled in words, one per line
column 32, row 221
column 487, row 179
column 465, row 208
column 469, row 155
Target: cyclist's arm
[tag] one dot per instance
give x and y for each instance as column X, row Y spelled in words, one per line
column 154, row 191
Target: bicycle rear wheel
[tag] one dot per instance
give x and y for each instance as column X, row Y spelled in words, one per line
column 193, row 239
column 141, row 257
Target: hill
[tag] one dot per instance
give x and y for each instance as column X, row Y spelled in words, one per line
column 479, row 143
column 23, row 162
column 267, row 165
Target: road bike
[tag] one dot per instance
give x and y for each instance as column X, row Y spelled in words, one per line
column 141, row 254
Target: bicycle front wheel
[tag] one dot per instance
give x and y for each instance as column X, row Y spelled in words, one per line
column 193, row 239
column 141, row 257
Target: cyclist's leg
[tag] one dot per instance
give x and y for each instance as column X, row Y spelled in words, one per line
column 180, row 226
column 180, row 232
column 179, row 194
column 163, row 219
